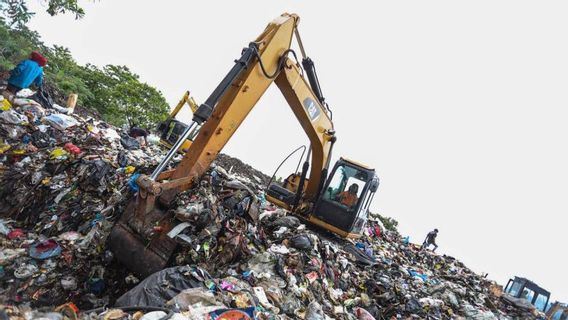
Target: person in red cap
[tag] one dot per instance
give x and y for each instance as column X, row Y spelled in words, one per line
column 26, row 73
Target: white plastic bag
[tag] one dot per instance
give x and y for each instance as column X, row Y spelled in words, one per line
column 61, row 121
column 12, row 117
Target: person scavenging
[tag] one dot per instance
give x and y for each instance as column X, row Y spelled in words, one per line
column 139, row 133
column 430, row 240
column 349, row 197
column 28, row 72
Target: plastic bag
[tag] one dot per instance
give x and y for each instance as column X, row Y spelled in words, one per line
column 36, row 110
column 315, row 311
column 45, row 249
column 301, row 241
column 61, row 109
column 4, row 147
column 153, row 139
column 195, row 297
column 58, row 153
column 61, row 121
column 122, row 159
column 43, row 98
column 130, row 143
column 159, row 288
column 5, row 104
column 132, row 182
column 12, row 117
column 362, row 314
column 72, row 148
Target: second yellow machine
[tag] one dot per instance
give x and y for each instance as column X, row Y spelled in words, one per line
column 334, row 198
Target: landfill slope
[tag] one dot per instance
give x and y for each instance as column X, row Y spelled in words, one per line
column 65, row 179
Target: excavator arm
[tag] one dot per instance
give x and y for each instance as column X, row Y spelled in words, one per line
column 239, row 94
column 134, row 239
column 314, row 120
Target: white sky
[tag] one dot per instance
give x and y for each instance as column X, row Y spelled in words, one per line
column 460, row 106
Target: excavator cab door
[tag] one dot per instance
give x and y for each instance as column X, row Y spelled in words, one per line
column 345, row 199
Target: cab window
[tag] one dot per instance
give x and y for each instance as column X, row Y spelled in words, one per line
column 540, row 302
column 527, row 294
column 559, row 314
column 346, row 186
column 514, row 289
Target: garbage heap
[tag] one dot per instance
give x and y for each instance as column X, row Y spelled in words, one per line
column 64, row 181
column 272, row 266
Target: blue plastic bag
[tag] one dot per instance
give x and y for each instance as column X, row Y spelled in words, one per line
column 132, row 182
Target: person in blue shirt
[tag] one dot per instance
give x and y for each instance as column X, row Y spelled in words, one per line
column 26, row 73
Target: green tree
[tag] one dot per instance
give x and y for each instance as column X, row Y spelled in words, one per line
column 389, row 223
column 114, row 92
column 16, row 44
column 123, row 99
column 16, row 12
column 66, row 74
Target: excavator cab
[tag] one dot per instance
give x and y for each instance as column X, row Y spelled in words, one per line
column 523, row 288
column 171, row 129
column 343, row 203
column 345, row 199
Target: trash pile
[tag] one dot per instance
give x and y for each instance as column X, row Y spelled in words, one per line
column 272, row 266
column 62, row 179
column 65, row 179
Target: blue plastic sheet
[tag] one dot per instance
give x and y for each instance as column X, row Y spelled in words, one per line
column 418, row 275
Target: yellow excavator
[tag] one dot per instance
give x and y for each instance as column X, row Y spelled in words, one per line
column 171, row 129
column 334, row 198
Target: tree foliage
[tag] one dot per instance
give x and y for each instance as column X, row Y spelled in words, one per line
column 115, row 92
column 16, row 13
column 389, row 223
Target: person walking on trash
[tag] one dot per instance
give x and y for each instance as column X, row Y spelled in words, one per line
column 430, row 240
column 26, row 73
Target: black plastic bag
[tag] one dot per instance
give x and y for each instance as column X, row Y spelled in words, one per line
column 43, row 98
column 129, row 143
column 301, row 241
column 122, row 159
column 159, row 288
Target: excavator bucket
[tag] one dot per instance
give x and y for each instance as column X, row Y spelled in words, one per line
column 140, row 241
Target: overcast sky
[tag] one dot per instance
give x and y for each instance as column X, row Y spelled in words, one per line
column 460, row 106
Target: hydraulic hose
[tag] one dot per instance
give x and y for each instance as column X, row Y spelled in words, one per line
column 281, row 163
column 278, row 67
